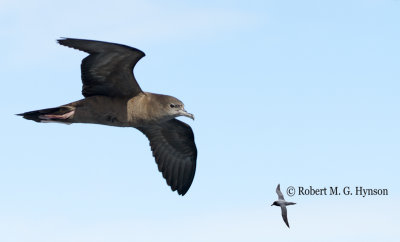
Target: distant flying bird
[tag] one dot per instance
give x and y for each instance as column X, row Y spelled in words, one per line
column 113, row 97
column 282, row 203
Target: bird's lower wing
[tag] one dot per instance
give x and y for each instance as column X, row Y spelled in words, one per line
column 173, row 147
column 284, row 215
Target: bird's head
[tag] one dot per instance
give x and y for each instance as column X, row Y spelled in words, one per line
column 275, row 204
column 177, row 108
column 174, row 107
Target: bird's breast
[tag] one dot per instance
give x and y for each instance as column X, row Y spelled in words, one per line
column 141, row 110
column 144, row 110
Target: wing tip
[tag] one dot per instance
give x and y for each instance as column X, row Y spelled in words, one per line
column 76, row 43
column 66, row 42
column 181, row 190
column 61, row 40
column 181, row 193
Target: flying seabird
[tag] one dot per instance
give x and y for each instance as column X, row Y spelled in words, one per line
column 113, row 97
column 282, row 203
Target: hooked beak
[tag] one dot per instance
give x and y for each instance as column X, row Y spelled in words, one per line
column 183, row 112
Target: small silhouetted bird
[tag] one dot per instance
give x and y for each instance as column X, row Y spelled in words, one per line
column 113, row 97
column 282, row 203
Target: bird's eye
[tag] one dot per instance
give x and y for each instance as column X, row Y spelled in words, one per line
column 172, row 105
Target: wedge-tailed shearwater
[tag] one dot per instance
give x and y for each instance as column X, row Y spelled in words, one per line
column 282, row 203
column 113, row 97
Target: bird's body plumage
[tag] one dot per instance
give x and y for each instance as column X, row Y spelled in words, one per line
column 113, row 97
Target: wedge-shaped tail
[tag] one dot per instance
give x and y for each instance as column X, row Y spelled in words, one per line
column 59, row 114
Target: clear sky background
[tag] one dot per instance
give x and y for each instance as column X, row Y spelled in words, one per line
column 301, row 93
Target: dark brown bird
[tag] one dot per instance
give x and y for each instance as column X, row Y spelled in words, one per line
column 113, row 97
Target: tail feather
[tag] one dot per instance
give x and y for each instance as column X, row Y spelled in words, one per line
column 48, row 114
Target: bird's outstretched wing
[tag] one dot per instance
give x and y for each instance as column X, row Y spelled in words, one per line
column 278, row 191
column 108, row 70
column 284, row 215
column 173, row 147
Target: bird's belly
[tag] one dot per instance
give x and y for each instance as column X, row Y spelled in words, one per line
column 102, row 110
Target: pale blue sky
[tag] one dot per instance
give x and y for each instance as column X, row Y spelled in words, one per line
column 293, row 92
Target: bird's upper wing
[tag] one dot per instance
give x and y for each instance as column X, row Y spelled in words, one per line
column 284, row 215
column 278, row 191
column 173, row 147
column 108, row 70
